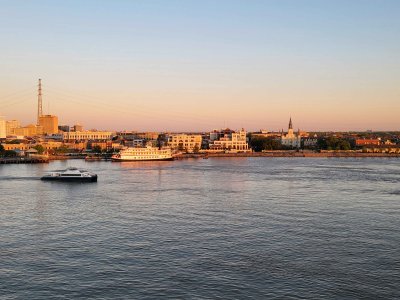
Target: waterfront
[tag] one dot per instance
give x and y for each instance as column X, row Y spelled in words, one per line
column 228, row 228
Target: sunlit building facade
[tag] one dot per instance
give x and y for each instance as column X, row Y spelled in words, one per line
column 87, row 135
column 49, row 124
column 29, row 130
column 227, row 139
column 11, row 125
column 188, row 142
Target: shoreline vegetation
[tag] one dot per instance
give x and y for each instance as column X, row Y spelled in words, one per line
column 289, row 154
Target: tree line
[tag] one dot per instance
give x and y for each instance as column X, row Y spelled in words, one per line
column 259, row 144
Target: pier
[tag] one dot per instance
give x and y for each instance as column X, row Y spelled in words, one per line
column 23, row 160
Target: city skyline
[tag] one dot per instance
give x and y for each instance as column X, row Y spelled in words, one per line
column 198, row 66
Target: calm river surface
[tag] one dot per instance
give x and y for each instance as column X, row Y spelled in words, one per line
column 230, row 228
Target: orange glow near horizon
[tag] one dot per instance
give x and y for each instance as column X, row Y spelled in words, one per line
column 202, row 110
column 199, row 65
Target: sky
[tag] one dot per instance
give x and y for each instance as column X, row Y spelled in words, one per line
column 201, row 65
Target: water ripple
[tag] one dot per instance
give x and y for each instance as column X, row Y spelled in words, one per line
column 203, row 229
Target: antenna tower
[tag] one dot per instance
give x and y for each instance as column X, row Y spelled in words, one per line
column 39, row 109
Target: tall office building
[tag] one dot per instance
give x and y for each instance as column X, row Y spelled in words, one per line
column 49, row 124
column 3, row 131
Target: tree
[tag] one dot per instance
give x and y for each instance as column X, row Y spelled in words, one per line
column 40, row 149
column 10, row 153
column 343, row 145
column 62, row 149
column 13, row 142
column 257, row 144
column 196, row 149
column 1, row 149
column 161, row 140
column 263, row 143
column 96, row 149
column 333, row 143
column 272, row 144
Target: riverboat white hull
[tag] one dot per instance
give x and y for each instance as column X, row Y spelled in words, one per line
column 140, row 159
column 143, row 154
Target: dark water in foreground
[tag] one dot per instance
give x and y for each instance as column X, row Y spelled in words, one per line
column 255, row 228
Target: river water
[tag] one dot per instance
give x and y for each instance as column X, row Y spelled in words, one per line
column 221, row 228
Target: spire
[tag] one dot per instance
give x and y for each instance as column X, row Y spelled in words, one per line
column 290, row 123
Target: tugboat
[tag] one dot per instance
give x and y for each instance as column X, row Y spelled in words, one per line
column 71, row 175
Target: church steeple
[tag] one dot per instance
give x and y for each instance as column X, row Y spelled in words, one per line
column 290, row 123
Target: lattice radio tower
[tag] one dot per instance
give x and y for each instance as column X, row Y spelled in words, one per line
column 39, row 108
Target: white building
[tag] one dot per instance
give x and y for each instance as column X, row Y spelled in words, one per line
column 87, row 135
column 291, row 139
column 229, row 140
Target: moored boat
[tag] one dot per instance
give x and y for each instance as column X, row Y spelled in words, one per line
column 143, row 154
column 71, row 175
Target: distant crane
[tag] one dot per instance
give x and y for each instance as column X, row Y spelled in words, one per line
column 39, row 110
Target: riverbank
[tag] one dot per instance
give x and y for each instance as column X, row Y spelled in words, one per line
column 65, row 157
column 288, row 154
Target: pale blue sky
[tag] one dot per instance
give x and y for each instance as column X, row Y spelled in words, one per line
column 199, row 65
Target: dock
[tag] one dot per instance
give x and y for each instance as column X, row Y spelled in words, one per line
column 23, row 160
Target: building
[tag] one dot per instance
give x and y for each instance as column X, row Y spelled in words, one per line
column 188, row 142
column 217, row 134
column 127, row 135
column 135, row 143
column 266, row 134
column 291, row 139
column 63, row 128
column 49, row 124
column 382, row 149
column 368, row 142
column 76, row 146
column 51, row 145
column 227, row 139
column 388, row 143
column 3, row 128
column 309, row 142
column 105, row 146
column 11, row 125
column 17, row 146
column 87, row 135
column 78, row 127
column 29, row 130
column 147, row 135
